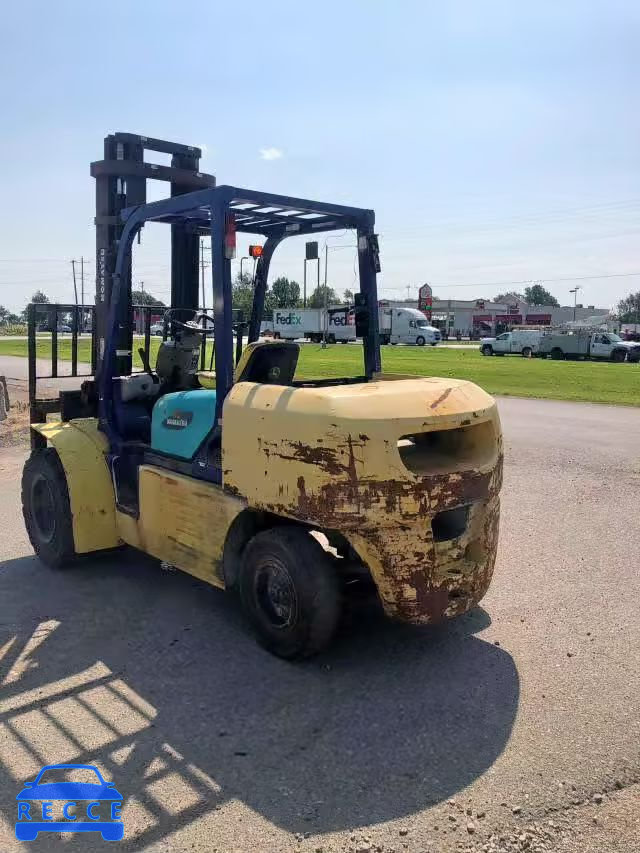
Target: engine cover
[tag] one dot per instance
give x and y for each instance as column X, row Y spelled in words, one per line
column 181, row 421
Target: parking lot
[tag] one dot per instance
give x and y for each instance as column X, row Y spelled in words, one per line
column 506, row 723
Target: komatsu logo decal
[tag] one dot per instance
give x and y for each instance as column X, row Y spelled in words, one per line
column 178, row 420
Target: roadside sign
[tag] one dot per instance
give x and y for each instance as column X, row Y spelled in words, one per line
column 425, row 300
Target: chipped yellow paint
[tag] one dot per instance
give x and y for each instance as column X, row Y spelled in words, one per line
column 342, row 458
column 182, row 521
column 81, row 448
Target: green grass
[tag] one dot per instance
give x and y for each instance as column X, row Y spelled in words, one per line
column 597, row 382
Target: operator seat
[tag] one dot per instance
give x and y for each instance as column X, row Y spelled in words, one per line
column 268, row 363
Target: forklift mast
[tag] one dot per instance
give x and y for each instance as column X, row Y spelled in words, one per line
column 121, row 181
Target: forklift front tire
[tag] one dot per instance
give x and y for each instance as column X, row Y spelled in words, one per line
column 46, row 509
column 290, row 592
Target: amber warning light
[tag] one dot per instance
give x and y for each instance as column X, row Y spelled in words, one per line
column 255, row 251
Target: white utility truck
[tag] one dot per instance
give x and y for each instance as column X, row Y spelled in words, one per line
column 585, row 344
column 525, row 342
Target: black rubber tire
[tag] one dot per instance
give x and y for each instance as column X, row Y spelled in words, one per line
column 557, row 354
column 618, row 356
column 526, row 352
column 313, row 581
column 43, row 480
column 487, row 350
column 420, row 341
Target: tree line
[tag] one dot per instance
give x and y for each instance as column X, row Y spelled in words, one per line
column 286, row 293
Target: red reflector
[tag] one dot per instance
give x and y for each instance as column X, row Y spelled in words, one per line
column 255, row 251
column 230, row 237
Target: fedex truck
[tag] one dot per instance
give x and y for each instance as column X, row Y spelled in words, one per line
column 293, row 323
column 397, row 325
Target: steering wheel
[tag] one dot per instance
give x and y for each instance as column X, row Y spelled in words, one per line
column 201, row 323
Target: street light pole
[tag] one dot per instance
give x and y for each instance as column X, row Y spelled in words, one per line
column 245, row 258
column 575, row 299
column 304, row 285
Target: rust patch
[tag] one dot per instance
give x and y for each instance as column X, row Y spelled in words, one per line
column 323, row 457
column 336, row 462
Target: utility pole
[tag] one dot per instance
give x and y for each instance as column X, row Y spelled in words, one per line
column 75, row 286
column 326, row 313
column 82, row 293
column 202, row 271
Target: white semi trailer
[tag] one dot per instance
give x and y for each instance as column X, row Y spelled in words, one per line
column 397, row 325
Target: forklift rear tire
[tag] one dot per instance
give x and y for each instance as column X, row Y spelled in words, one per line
column 290, row 592
column 46, row 509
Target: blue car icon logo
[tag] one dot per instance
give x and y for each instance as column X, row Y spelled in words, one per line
column 80, row 806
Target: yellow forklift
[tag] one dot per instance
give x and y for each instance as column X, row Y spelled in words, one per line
column 287, row 490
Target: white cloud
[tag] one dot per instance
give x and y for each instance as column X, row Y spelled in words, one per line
column 270, row 153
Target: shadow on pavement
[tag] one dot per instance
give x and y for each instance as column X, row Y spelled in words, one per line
column 153, row 676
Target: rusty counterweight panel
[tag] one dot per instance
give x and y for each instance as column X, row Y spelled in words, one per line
column 334, row 457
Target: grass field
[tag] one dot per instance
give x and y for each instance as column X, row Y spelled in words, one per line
column 599, row 382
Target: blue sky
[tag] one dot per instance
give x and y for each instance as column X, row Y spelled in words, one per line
column 497, row 141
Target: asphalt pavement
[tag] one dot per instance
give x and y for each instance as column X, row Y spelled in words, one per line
column 511, row 718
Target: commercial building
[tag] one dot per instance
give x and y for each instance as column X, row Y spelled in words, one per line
column 482, row 317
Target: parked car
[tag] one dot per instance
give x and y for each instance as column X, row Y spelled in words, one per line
column 523, row 342
column 582, row 344
column 62, row 327
column 156, row 328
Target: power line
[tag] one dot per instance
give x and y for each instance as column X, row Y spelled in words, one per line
column 527, row 281
column 38, row 261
